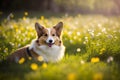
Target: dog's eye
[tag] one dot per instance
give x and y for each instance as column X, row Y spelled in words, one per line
column 53, row 34
column 45, row 35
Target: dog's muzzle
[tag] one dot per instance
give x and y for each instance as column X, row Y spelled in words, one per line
column 50, row 43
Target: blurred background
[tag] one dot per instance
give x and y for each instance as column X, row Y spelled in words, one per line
column 107, row 7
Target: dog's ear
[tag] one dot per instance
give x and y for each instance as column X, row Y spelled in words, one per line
column 58, row 28
column 39, row 29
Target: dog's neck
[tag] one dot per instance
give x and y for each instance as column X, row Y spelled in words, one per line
column 32, row 54
column 33, row 48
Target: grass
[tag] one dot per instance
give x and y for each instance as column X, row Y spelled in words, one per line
column 92, row 48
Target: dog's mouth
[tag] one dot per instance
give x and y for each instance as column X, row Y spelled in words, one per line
column 50, row 44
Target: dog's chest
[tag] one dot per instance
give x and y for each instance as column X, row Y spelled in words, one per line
column 54, row 50
column 52, row 54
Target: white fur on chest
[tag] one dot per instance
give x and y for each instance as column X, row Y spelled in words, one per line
column 50, row 54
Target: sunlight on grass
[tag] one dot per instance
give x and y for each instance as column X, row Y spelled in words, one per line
column 44, row 65
column 98, row 76
column 102, row 51
column 24, row 18
column 82, row 62
column 92, row 47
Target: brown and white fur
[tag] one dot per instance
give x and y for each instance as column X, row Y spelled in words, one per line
column 48, row 45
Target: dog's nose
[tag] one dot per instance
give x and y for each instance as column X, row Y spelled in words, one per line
column 50, row 41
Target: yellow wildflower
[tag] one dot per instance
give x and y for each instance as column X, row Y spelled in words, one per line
column 15, row 26
column 26, row 13
column 16, row 30
column 34, row 66
column 21, row 28
column 71, row 76
column 31, row 29
column 21, row 61
column 95, row 59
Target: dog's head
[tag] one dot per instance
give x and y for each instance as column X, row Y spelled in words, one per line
column 49, row 36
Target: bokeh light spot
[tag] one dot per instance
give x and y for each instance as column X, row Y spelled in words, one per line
column 34, row 66
column 21, row 61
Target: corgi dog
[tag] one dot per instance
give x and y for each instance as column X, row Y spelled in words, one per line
column 48, row 45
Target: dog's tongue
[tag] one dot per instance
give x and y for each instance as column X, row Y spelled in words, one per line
column 50, row 44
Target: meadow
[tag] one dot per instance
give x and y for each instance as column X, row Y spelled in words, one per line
column 92, row 47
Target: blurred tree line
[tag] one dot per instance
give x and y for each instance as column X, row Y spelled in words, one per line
column 82, row 6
